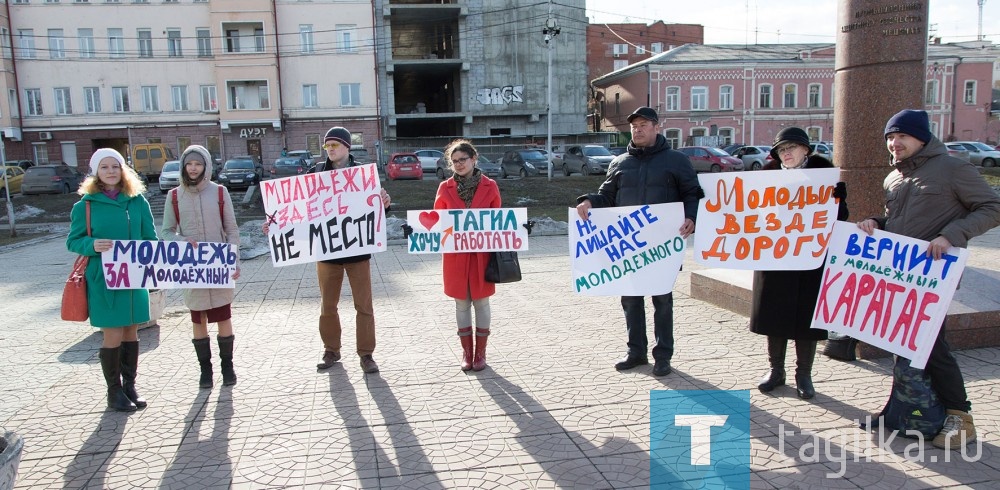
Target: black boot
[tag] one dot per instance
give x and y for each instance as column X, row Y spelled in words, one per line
column 226, row 356
column 130, row 364
column 805, row 352
column 776, row 357
column 203, row 347
column 111, row 365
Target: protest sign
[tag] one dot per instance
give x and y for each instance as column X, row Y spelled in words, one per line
column 885, row 291
column 325, row 215
column 467, row 230
column 765, row 220
column 149, row 264
column 627, row 250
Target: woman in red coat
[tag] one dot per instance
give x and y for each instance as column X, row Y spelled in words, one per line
column 463, row 272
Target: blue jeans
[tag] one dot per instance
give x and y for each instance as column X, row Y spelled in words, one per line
column 663, row 326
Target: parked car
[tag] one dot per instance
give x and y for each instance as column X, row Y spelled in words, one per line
column 148, row 158
column 170, row 176
column 586, row 160
column 822, row 149
column 429, row 159
column 958, row 151
column 15, row 175
column 731, row 148
column 359, row 156
column 523, row 163
column 24, row 164
column 754, row 157
column 617, row 150
column 288, row 166
column 241, row 172
column 50, row 179
column 404, row 166
column 308, row 155
column 709, row 159
column 489, row 168
column 981, row 154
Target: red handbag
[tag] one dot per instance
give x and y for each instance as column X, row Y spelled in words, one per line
column 74, row 299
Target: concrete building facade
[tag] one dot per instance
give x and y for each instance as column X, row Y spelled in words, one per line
column 723, row 94
column 238, row 76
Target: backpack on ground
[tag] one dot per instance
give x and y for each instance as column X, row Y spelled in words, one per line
column 913, row 405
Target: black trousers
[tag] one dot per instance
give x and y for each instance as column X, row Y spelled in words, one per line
column 946, row 376
column 663, row 326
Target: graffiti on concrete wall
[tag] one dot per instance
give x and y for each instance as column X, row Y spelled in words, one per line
column 510, row 94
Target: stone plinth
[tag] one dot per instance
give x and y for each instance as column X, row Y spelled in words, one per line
column 973, row 317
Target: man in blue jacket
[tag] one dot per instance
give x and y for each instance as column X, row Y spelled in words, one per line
column 649, row 173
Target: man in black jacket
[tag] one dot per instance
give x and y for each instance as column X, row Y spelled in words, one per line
column 649, row 173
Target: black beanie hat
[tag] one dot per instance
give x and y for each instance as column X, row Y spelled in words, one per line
column 339, row 135
column 913, row 123
column 789, row 135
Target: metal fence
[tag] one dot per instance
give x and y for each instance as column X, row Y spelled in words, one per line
column 493, row 147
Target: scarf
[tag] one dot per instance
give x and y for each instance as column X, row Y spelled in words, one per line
column 467, row 185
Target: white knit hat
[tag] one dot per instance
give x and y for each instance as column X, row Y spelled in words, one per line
column 101, row 154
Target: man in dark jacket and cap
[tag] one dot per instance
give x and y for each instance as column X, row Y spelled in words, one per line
column 649, row 173
column 941, row 199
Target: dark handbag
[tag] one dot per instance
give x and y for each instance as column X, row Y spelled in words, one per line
column 503, row 267
column 74, row 298
column 841, row 347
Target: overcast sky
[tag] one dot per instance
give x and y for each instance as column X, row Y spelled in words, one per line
column 786, row 21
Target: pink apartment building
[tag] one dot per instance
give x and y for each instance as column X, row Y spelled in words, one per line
column 725, row 94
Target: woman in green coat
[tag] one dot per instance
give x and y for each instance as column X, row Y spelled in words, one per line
column 118, row 211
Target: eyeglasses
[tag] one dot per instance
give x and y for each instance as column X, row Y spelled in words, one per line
column 786, row 148
column 331, row 145
column 462, row 160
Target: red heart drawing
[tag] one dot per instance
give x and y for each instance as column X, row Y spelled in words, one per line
column 429, row 219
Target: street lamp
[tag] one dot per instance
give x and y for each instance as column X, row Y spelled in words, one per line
column 550, row 31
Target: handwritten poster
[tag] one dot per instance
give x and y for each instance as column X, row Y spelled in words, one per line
column 325, row 215
column 148, row 264
column 467, row 230
column 626, row 251
column 774, row 220
column 885, row 291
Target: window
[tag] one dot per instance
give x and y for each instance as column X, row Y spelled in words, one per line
column 116, row 43
column 699, row 98
column 726, row 136
column 179, row 97
column 345, row 43
column 726, row 97
column 640, row 49
column 120, row 96
column 248, row 95
column 174, row 43
column 673, row 98
column 970, row 92
column 620, row 49
column 33, row 101
column 15, row 107
column 619, row 64
column 232, row 41
column 57, row 44
column 209, row 99
column 815, row 133
column 309, row 96
column 5, row 42
column 815, row 95
column 931, row 95
column 350, row 94
column 934, row 128
column 656, row 48
column 618, row 104
column 204, row 42
column 258, row 40
column 765, row 97
column 673, row 137
column 145, row 43
column 306, row 38
column 86, row 39
column 150, row 99
column 26, row 43
column 92, row 99
column 791, row 94
column 63, row 104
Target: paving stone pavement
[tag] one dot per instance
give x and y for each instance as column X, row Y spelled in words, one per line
column 549, row 411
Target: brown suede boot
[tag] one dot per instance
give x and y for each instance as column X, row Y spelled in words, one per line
column 465, row 335
column 479, row 360
column 958, row 430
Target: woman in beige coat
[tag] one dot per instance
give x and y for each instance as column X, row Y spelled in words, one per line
column 205, row 215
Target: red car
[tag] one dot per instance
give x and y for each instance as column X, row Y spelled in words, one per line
column 404, row 166
column 708, row 159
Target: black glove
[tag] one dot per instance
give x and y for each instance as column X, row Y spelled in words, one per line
column 840, row 191
column 530, row 224
column 407, row 230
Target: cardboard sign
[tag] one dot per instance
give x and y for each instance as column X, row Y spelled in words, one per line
column 627, row 250
column 467, row 230
column 766, row 220
column 149, row 264
column 325, row 215
column 885, row 291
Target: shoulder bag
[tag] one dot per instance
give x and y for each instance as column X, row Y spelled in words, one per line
column 74, row 298
column 503, row 267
